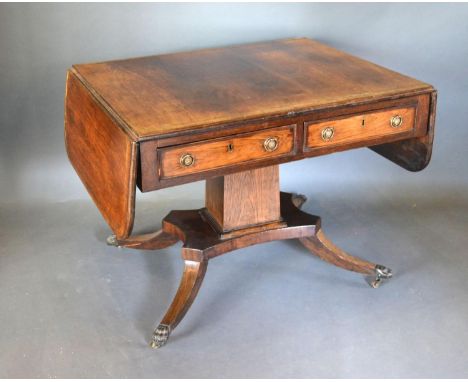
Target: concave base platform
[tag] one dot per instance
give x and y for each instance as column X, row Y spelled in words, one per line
column 202, row 241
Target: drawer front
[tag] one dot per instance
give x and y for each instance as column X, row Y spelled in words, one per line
column 217, row 153
column 359, row 127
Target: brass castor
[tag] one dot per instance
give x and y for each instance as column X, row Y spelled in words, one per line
column 381, row 273
column 112, row 241
column 160, row 336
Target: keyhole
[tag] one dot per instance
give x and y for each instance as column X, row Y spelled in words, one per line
column 230, row 147
column 363, row 122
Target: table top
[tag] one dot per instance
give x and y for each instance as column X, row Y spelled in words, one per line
column 162, row 95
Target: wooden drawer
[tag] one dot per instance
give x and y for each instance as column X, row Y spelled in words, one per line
column 207, row 155
column 360, row 127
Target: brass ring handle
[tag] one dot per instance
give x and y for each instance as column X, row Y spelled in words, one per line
column 396, row 121
column 328, row 133
column 271, row 144
column 187, row 160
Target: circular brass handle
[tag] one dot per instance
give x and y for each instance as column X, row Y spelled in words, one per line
column 271, row 144
column 187, row 160
column 328, row 133
column 396, row 121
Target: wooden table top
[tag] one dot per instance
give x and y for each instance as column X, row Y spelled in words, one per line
column 168, row 94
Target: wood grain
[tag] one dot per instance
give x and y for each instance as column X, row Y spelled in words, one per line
column 244, row 199
column 360, row 127
column 321, row 246
column 202, row 242
column 215, row 153
column 219, row 106
column 153, row 240
column 163, row 95
column 147, row 111
column 190, row 283
column 103, row 156
column 150, row 175
column 413, row 154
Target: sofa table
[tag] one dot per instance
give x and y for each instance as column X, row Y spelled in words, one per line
column 231, row 116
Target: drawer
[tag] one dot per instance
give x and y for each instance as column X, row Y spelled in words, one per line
column 360, row 127
column 217, row 153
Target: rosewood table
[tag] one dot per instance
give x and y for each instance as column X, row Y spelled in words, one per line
column 231, row 116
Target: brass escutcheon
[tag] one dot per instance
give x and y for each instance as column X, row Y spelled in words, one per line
column 230, row 148
column 271, row 144
column 396, row 121
column 327, row 133
column 187, row 160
